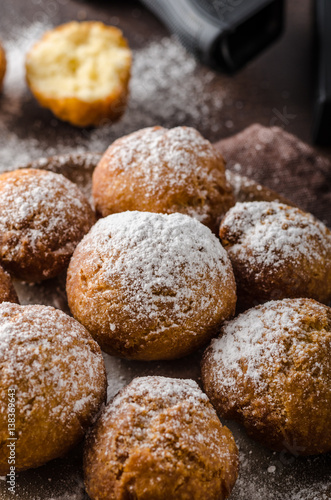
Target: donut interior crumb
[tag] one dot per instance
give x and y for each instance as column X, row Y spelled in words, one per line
column 86, row 60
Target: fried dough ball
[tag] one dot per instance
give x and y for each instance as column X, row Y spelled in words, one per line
column 164, row 171
column 160, row 439
column 245, row 189
column 270, row 370
column 53, row 382
column 277, row 251
column 42, row 218
column 150, row 286
column 81, row 72
column 3, row 65
column 7, row 290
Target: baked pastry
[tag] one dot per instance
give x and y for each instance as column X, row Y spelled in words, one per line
column 150, row 286
column 160, row 439
column 7, row 290
column 270, row 369
column 42, row 218
column 277, row 251
column 81, row 72
column 3, row 65
column 53, row 376
column 164, row 171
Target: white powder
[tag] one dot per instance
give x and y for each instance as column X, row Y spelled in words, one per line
column 41, row 210
column 164, row 76
column 153, row 261
column 15, row 89
column 175, row 170
column 165, row 88
column 272, row 234
column 269, row 339
column 170, row 390
column 49, row 356
column 172, row 419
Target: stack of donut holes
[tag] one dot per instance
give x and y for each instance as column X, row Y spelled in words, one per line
column 170, row 262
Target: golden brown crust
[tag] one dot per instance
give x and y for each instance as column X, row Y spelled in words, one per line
column 3, row 65
column 160, row 439
column 163, row 171
column 270, row 370
column 150, row 286
column 7, row 290
column 277, row 251
column 81, row 113
column 53, row 374
column 43, row 217
column 75, row 110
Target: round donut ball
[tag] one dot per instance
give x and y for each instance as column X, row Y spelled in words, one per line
column 7, row 290
column 3, row 65
column 150, row 286
column 163, row 171
column 160, row 439
column 53, row 382
column 277, row 251
column 271, row 370
column 42, row 218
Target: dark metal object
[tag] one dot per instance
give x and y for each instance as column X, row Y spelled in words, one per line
column 225, row 34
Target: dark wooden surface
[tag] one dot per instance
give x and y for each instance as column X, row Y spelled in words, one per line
column 275, row 89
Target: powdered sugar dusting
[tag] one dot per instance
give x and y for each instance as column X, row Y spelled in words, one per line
column 247, row 190
column 43, row 198
column 164, row 67
column 43, row 351
column 171, row 420
column 160, row 68
column 16, row 93
column 42, row 213
column 265, row 340
column 170, row 390
column 270, row 233
column 170, row 260
column 176, row 169
column 153, row 148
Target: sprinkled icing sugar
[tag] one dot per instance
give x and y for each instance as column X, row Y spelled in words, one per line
column 168, row 417
column 247, row 190
column 157, row 260
column 178, row 165
column 163, row 72
column 41, row 208
column 168, row 73
column 159, row 146
column 270, row 233
column 267, row 339
column 170, row 390
column 50, row 358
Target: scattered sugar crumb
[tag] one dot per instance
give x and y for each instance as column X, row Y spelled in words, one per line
column 159, row 245
column 265, row 234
